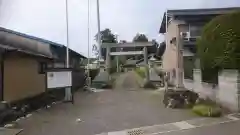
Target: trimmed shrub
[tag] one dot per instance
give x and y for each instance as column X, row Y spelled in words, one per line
column 219, row 45
column 207, row 110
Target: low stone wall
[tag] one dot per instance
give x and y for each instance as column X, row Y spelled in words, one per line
column 225, row 93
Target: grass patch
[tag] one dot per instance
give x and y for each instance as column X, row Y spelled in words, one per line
column 141, row 72
column 207, row 110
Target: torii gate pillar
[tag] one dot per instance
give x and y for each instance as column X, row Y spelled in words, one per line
column 108, row 60
column 146, row 63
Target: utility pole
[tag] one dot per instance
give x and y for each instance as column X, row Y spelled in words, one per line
column 88, row 38
column 68, row 93
column 99, row 34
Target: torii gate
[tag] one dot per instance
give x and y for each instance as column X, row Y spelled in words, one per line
column 144, row 52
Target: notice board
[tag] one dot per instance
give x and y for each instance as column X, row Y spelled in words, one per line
column 59, row 79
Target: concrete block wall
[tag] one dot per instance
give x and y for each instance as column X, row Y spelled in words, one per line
column 227, row 96
column 225, row 93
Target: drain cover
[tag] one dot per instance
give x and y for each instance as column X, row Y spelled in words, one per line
column 135, row 132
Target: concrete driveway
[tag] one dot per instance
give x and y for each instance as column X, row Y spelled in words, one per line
column 95, row 113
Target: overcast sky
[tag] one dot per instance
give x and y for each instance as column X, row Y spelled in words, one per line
column 46, row 18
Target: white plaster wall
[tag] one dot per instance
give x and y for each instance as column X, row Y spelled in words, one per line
column 228, row 93
column 225, row 93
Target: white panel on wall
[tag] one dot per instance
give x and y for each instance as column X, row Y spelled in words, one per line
column 59, row 79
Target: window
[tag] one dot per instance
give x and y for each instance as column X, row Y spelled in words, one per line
column 42, row 67
column 195, row 30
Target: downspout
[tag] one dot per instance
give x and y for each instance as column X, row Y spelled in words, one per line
column 2, row 75
column 238, row 91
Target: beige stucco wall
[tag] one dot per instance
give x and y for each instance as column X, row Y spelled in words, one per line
column 170, row 54
column 169, row 57
column 21, row 78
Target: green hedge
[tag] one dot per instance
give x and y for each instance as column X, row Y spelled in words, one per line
column 210, row 75
column 219, row 45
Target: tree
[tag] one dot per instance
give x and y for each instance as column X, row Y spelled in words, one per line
column 140, row 38
column 219, row 45
column 106, row 37
column 123, row 41
column 161, row 49
column 153, row 49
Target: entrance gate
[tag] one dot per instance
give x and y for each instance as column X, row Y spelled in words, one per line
column 144, row 52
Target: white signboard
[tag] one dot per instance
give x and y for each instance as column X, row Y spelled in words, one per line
column 59, row 79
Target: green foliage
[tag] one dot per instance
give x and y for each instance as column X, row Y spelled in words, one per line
column 106, row 37
column 141, row 72
column 149, row 85
column 140, row 38
column 153, row 49
column 219, row 45
column 207, row 110
column 161, row 49
column 210, row 75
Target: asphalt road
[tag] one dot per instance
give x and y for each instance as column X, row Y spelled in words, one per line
column 118, row 110
column 231, row 128
column 95, row 113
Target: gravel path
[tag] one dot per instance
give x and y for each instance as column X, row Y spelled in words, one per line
column 128, row 81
